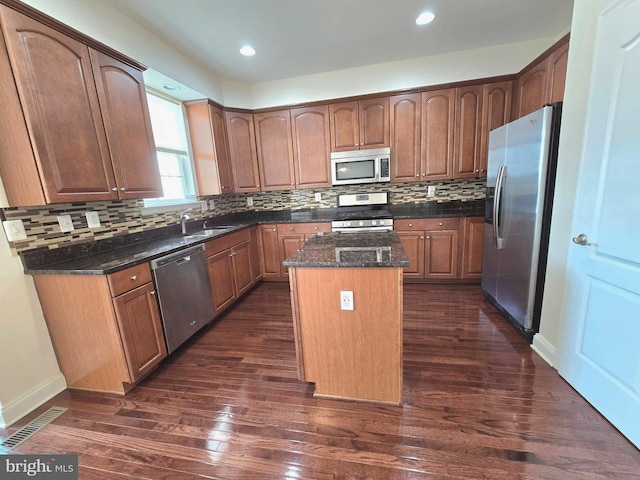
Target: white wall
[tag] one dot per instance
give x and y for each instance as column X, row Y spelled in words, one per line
column 583, row 30
column 29, row 373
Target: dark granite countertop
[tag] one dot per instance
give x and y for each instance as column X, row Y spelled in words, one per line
column 110, row 255
column 365, row 249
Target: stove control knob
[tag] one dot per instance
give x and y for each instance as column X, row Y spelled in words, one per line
column 346, row 224
column 361, row 223
column 373, row 222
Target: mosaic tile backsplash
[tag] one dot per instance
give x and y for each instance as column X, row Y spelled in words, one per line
column 124, row 217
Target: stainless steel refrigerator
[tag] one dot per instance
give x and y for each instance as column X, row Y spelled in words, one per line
column 520, row 183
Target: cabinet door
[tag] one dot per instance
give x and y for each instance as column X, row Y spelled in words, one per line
column 269, row 251
column 275, row 155
column 468, row 132
column 413, row 245
column 57, row 91
column 437, row 134
column 209, row 145
column 441, row 254
column 140, row 329
column 123, row 102
column 241, row 260
column 242, row 151
column 557, row 73
column 404, row 119
column 373, row 120
column 496, row 112
column 472, row 244
column 311, row 146
column 289, row 244
column 343, row 121
column 531, row 90
column 254, row 253
column 222, row 282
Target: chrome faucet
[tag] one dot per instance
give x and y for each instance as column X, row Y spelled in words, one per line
column 183, row 220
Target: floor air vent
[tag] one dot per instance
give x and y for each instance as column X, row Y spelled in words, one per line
column 16, row 438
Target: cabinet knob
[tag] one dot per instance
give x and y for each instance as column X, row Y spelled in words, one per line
column 134, row 277
column 427, row 237
column 273, row 229
column 192, row 323
column 315, row 228
column 291, row 229
column 124, row 189
column 424, row 174
column 411, row 224
column 152, row 292
column 417, row 174
column 421, row 238
column 477, row 171
column 114, row 189
column 440, row 224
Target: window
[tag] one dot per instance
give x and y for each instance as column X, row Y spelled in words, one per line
column 170, row 136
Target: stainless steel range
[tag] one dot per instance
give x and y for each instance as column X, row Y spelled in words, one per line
column 363, row 212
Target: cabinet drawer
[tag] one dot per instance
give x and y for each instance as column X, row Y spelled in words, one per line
column 286, row 228
column 128, row 279
column 426, row 224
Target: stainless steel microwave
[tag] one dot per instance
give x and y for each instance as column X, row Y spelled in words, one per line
column 361, row 166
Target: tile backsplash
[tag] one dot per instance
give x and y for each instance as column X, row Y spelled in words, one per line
column 124, row 217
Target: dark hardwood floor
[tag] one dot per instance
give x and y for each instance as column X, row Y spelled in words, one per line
column 478, row 404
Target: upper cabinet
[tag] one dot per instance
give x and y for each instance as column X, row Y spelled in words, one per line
column 404, row 119
column 209, row 145
column 468, row 131
column 437, row 134
column 274, row 149
column 496, row 111
column 359, row 125
column 242, row 151
column 76, row 124
column 542, row 81
column 311, row 146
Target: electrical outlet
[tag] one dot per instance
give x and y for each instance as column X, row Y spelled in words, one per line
column 431, row 191
column 14, row 230
column 66, row 225
column 93, row 220
column 249, row 201
column 346, row 300
column 204, row 206
column 318, row 196
column 212, row 204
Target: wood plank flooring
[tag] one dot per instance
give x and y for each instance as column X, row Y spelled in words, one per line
column 478, row 404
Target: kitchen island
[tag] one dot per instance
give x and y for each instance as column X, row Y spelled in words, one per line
column 346, row 298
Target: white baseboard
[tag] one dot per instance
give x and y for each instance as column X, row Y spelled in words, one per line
column 29, row 401
column 543, row 348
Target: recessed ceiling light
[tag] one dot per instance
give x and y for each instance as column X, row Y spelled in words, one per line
column 248, row 51
column 170, row 88
column 424, row 18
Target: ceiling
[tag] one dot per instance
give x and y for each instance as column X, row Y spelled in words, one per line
column 302, row 37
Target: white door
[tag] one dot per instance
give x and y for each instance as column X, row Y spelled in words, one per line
column 600, row 342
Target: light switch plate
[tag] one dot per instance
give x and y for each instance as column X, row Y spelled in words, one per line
column 249, row 201
column 93, row 219
column 14, row 230
column 66, row 225
column 318, row 197
column 431, row 191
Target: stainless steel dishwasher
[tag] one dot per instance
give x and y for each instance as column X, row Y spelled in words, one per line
column 184, row 295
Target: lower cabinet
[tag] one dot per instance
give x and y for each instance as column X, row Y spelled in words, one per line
column 230, row 268
column 105, row 329
column 277, row 242
column 442, row 248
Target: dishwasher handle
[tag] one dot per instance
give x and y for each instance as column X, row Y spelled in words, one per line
column 179, row 257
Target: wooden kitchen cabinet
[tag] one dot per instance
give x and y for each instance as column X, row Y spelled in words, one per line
column 77, row 119
column 404, row 122
column 269, row 251
column 311, row 146
column 209, row 145
column 274, row 149
column 467, row 131
column 254, row 254
column 105, row 329
column 292, row 236
column 438, row 114
column 229, row 259
column 360, row 124
column 242, row 151
column 557, row 73
column 432, row 247
column 471, row 247
column 496, row 111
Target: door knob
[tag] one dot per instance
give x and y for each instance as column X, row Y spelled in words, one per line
column 582, row 240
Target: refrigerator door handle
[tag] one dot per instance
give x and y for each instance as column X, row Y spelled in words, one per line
column 497, row 206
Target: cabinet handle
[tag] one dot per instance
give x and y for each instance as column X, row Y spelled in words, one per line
column 424, row 174
column 134, row 277
column 191, row 324
column 315, row 228
column 440, row 224
column 411, row 224
column 417, row 174
column 124, row 189
column 291, row 229
column 477, row 171
column 421, row 238
column 114, row 189
column 427, row 237
column 152, row 292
